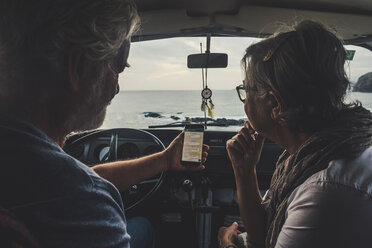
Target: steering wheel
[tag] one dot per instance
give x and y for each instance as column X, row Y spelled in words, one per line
column 119, row 144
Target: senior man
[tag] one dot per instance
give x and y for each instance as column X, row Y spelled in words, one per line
column 59, row 66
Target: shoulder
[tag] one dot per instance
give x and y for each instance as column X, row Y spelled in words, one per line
column 63, row 202
column 332, row 208
column 35, row 168
column 344, row 175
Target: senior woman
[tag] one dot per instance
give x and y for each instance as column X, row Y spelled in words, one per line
column 321, row 190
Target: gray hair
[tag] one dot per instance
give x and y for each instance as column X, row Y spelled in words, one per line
column 305, row 68
column 37, row 37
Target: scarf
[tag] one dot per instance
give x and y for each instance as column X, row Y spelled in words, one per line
column 346, row 138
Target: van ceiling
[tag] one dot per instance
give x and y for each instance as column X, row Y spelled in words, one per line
column 254, row 18
column 206, row 7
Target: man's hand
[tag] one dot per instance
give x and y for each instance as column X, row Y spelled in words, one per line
column 227, row 235
column 173, row 155
column 245, row 148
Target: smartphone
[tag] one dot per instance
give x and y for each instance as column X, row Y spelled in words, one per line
column 192, row 149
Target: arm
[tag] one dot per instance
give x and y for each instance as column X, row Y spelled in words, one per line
column 123, row 174
column 251, row 209
column 244, row 151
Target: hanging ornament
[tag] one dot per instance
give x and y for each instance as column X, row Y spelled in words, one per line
column 211, row 105
column 203, row 105
column 207, row 101
column 206, row 93
column 210, row 112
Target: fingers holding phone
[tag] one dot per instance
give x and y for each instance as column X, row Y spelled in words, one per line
column 192, row 149
column 187, row 151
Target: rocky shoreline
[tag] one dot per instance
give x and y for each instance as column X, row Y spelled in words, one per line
column 221, row 121
column 364, row 83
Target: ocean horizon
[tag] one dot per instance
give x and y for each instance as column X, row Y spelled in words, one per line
column 129, row 107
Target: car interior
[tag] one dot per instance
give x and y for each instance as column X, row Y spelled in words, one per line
column 187, row 208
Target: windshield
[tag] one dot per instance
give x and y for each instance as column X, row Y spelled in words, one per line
column 159, row 89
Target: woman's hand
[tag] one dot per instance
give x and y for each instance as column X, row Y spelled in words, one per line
column 245, row 148
column 173, row 155
column 227, row 235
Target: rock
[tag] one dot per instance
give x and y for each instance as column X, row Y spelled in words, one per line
column 364, row 83
column 176, row 118
column 153, row 115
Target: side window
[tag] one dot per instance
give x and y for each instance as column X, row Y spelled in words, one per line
column 359, row 71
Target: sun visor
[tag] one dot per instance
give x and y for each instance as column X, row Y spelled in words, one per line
column 168, row 23
column 264, row 20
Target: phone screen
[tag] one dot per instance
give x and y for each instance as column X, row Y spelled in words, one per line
column 192, row 145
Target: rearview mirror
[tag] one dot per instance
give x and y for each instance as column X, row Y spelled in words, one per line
column 207, row 60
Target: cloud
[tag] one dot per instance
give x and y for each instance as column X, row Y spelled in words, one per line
column 162, row 64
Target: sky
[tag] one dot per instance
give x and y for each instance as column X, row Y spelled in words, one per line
column 162, row 64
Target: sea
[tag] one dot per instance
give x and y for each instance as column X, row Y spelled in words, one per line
column 129, row 108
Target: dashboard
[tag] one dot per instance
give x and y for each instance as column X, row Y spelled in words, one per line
column 134, row 145
column 174, row 200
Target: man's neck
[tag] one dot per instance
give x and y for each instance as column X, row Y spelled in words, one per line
column 39, row 117
column 49, row 125
column 58, row 137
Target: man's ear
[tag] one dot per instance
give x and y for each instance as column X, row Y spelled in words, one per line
column 276, row 105
column 74, row 72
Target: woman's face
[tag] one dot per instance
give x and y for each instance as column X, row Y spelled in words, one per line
column 256, row 108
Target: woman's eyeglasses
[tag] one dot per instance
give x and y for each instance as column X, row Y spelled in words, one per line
column 242, row 91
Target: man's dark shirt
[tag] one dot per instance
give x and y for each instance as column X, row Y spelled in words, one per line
column 62, row 201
